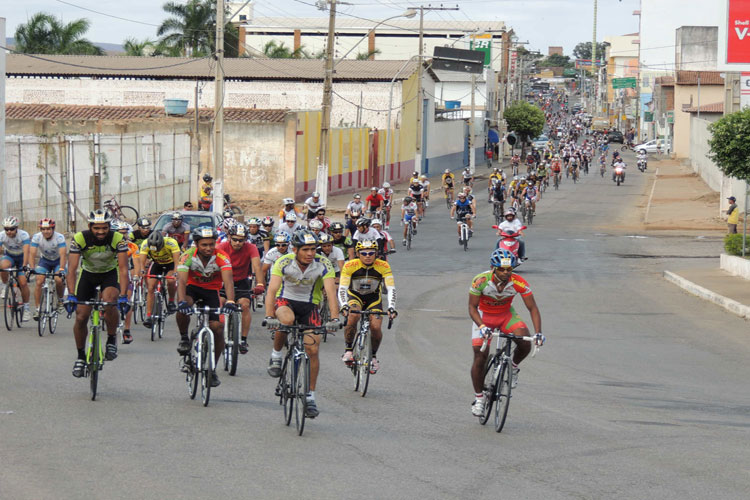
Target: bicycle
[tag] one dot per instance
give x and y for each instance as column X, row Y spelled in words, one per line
column 232, row 341
column 498, row 376
column 410, row 231
column 122, row 212
column 12, row 303
column 200, row 361
column 464, row 230
column 528, row 212
column 362, row 350
column 497, row 211
column 139, row 300
column 95, row 348
column 557, row 181
column 448, row 191
column 294, row 381
column 159, row 310
column 48, row 302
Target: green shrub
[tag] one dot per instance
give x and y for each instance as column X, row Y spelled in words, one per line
column 733, row 244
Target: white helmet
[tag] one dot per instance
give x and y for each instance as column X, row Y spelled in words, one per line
column 10, row 222
column 288, row 201
column 316, row 224
column 316, row 194
column 290, row 217
column 386, row 185
column 447, row 171
column 376, row 222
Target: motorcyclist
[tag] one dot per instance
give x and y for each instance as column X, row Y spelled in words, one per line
column 511, row 224
column 618, row 164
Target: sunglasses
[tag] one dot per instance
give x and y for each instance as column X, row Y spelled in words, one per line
column 367, row 254
column 282, row 245
column 10, row 228
column 238, row 240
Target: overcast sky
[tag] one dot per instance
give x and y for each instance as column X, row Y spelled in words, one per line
column 541, row 22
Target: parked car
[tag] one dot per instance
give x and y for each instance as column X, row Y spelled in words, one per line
column 192, row 219
column 653, row 146
column 616, row 136
column 540, row 142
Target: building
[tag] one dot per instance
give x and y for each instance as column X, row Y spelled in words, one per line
column 622, row 62
column 692, row 90
column 551, row 51
column 396, row 39
column 661, row 108
column 696, row 48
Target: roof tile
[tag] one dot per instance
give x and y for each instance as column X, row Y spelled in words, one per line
column 716, row 107
column 691, row 78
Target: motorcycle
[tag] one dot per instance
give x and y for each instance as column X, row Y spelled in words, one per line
column 509, row 241
column 642, row 164
column 619, row 175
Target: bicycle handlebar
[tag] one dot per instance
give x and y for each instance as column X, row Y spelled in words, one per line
column 497, row 333
column 161, row 276
column 60, row 274
column 297, row 328
column 368, row 312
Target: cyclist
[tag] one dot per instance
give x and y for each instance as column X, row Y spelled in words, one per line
column 556, row 168
column 354, row 206
column 471, row 199
column 409, row 215
column 15, row 245
column 289, row 208
column 280, row 249
column 497, row 193
column 361, row 288
column 245, row 262
column 530, row 196
column 207, row 188
column 289, row 224
column 374, row 202
column 416, row 190
column 468, row 177
column 351, row 222
column 102, row 255
column 496, row 177
column 342, row 242
column 178, row 230
column 386, row 243
column 490, row 298
column 297, row 282
column 462, row 210
column 257, row 236
column 315, row 226
column 134, row 264
column 320, row 216
column 332, row 252
column 52, row 248
column 448, row 183
column 267, row 224
column 200, row 274
column 365, row 232
column 141, row 234
column 387, row 193
column 312, row 204
column 426, row 192
column 414, row 177
column 164, row 253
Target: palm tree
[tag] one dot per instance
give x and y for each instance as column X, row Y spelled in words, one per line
column 366, row 56
column 190, row 29
column 45, row 34
column 274, row 50
column 134, row 47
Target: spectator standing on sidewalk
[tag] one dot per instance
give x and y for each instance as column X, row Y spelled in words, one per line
column 733, row 214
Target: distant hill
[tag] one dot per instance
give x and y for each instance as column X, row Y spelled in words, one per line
column 109, row 48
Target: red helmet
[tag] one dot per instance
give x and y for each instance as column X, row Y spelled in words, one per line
column 47, row 223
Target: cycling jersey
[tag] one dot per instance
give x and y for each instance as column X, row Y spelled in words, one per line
column 463, row 208
column 138, row 236
column 98, row 257
column 360, row 280
column 163, row 256
column 448, row 179
column 415, row 190
column 206, row 190
column 410, row 209
column 335, row 256
column 355, row 206
column 492, row 300
column 272, row 256
column 375, row 201
column 530, row 192
column 344, row 243
column 371, row 234
column 387, row 194
column 241, row 259
column 206, row 276
column 48, row 248
column 178, row 233
column 299, row 285
column 14, row 246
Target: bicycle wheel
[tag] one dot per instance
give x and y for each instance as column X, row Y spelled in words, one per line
column 19, row 307
column 465, row 234
column 489, row 388
column 364, row 365
column 142, row 303
column 94, row 360
column 9, row 303
column 155, row 315
column 409, row 235
column 206, row 374
column 53, row 320
column 325, row 316
column 301, row 388
column 191, row 376
column 356, row 361
column 234, row 335
column 286, row 384
column 530, row 216
column 502, row 392
column 128, row 214
column 41, row 323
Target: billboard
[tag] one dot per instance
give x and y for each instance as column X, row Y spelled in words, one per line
column 734, row 36
column 483, row 43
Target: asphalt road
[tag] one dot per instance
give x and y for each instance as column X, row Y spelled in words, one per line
column 640, row 392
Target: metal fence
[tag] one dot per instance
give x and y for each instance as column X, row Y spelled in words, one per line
column 64, row 177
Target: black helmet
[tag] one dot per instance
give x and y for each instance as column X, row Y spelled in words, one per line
column 227, row 214
column 237, row 230
column 100, row 216
column 144, row 222
column 304, row 237
column 207, row 177
column 203, row 232
column 155, row 241
column 364, row 221
column 336, row 226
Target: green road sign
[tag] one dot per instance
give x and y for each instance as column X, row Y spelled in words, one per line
column 623, row 83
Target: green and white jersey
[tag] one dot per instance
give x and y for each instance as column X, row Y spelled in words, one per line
column 302, row 286
column 98, row 257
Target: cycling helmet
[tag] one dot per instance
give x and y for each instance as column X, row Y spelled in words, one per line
column 321, row 208
column 207, row 177
column 364, row 221
column 253, row 221
column 422, row 177
column 97, row 216
column 288, row 201
column 386, row 185
column 304, row 237
column 237, row 230
column 227, row 223
column 503, row 258
column 144, row 222
column 227, row 213
column 268, row 221
column 376, row 222
column 177, row 216
column 510, row 211
column 515, row 177
column 324, row 239
column 155, row 241
column 337, row 227
column 116, row 225
column 447, row 171
column 373, row 189
column 316, row 224
column 47, row 224
column 461, row 194
column 203, row 232
column 357, row 196
column 407, row 199
column 281, row 238
column 414, row 174
column 124, row 226
column 366, row 245
column 290, row 217
column 316, row 194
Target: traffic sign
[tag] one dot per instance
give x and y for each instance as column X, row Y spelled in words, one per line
column 623, row 83
column 463, row 61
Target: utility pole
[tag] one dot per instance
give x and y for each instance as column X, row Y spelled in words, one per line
column 325, row 122
column 218, row 110
column 593, row 42
column 3, row 171
column 418, row 154
column 472, row 152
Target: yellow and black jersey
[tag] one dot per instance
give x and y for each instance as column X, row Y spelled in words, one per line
column 360, row 280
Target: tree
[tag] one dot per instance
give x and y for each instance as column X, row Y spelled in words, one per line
column 526, row 120
column 190, row 30
column 554, row 60
column 730, row 144
column 527, row 55
column 365, row 56
column 277, row 50
column 45, row 34
column 134, row 47
column 583, row 50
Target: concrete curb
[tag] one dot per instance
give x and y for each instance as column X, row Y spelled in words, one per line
column 730, row 305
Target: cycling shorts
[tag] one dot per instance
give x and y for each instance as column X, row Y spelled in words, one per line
column 87, row 282
column 366, row 302
column 408, row 217
column 305, row 313
column 204, row 297
column 242, row 290
column 156, row 269
column 417, row 197
column 507, row 322
column 47, row 266
column 15, row 260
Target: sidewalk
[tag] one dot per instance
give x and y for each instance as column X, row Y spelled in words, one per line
column 717, row 286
